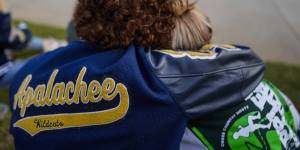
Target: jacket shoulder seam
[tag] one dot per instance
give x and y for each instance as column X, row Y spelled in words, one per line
column 208, row 73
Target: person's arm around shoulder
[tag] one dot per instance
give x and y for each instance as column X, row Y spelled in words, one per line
column 208, row 80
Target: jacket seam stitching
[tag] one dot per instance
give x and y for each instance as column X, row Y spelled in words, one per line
column 152, row 71
column 243, row 83
column 209, row 73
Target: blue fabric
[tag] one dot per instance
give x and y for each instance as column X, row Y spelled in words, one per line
column 153, row 122
column 7, row 79
column 35, row 43
column 5, row 28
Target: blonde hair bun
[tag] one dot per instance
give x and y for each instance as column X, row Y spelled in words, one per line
column 183, row 6
column 192, row 28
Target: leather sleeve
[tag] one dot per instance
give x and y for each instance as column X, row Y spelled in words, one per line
column 210, row 80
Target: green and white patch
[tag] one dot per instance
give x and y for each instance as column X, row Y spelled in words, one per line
column 270, row 125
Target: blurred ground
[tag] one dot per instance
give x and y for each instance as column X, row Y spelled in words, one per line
column 270, row 27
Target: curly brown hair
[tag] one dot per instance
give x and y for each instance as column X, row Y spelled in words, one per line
column 118, row 23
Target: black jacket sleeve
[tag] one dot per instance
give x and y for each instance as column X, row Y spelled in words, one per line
column 210, row 80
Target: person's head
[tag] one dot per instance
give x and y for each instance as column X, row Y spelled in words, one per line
column 157, row 24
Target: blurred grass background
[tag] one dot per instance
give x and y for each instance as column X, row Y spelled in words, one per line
column 285, row 77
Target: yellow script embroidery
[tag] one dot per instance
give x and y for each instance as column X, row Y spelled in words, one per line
column 202, row 54
column 59, row 94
